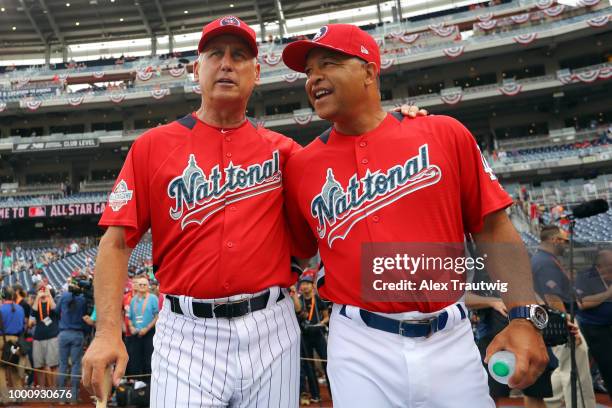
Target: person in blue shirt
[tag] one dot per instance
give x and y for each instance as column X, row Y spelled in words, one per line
column 551, row 283
column 72, row 307
column 142, row 314
column 13, row 324
column 594, row 289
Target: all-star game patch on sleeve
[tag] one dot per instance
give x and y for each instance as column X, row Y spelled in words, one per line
column 481, row 192
column 128, row 203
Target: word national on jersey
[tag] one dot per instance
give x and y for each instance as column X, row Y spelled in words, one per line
column 339, row 209
column 197, row 197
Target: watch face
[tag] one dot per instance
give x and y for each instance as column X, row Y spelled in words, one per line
column 539, row 316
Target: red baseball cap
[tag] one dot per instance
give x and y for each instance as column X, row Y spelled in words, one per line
column 345, row 38
column 228, row 25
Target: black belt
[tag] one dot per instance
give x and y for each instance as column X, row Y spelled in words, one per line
column 226, row 310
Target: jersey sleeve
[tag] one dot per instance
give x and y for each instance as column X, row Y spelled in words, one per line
column 481, row 193
column 128, row 203
column 303, row 241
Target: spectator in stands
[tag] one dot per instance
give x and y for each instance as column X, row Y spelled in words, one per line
column 72, row 308
column 552, row 284
column 142, row 314
column 45, row 349
column 21, row 298
column 7, row 263
column 594, row 288
column 73, row 248
column 313, row 318
column 11, row 327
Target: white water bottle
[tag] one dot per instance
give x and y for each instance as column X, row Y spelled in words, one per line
column 501, row 366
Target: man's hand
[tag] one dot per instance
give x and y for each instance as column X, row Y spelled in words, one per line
column 499, row 306
column 412, row 111
column 525, row 341
column 142, row 332
column 575, row 331
column 104, row 351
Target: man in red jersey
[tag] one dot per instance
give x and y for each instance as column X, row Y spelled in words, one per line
column 374, row 178
column 209, row 186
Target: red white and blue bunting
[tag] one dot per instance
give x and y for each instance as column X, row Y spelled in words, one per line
column 555, row 10
column 408, row 38
column 302, row 119
column 386, row 63
column 510, row 88
column 544, row 4
column 144, row 75
column 22, row 82
column 597, row 22
column 485, row 17
column 446, row 31
column 453, row 98
column 565, row 77
column 454, row 52
column 2, row 106
column 33, row 103
column 160, row 93
column 196, row 89
column 76, row 100
column 116, row 96
column 588, row 3
column 291, row 77
column 436, row 26
column 520, row 18
column 177, row 71
column 587, row 75
column 271, row 59
column 605, row 72
column 98, row 74
column 487, row 25
column 525, row 38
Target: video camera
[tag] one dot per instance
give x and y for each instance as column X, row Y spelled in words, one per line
column 83, row 285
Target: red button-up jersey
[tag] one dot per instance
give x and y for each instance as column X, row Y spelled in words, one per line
column 418, row 180
column 214, row 202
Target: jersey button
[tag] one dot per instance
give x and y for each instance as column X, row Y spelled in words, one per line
column 230, row 244
column 232, row 208
column 226, row 285
column 228, row 139
column 363, row 144
column 228, row 154
column 364, row 161
column 376, row 218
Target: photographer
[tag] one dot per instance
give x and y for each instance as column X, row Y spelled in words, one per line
column 72, row 308
column 45, row 348
column 313, row 318
column 11, row 327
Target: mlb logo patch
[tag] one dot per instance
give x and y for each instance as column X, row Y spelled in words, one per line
column 231, row 20
column 364, row 50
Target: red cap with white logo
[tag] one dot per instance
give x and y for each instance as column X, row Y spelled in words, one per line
column 345, row 38
column 228, row 25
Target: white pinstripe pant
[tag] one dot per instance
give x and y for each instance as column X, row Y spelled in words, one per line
column 247, row 362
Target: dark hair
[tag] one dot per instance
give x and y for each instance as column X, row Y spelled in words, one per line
column 548, row 232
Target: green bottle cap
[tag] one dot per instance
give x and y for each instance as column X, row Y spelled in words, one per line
column 501, row 369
